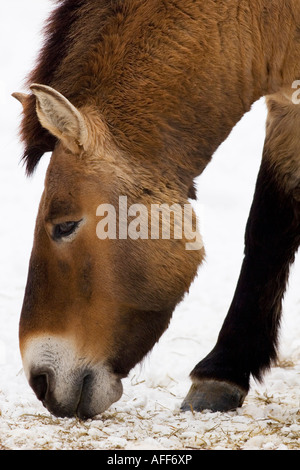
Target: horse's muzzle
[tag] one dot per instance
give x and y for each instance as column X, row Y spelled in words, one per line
column 67, row 386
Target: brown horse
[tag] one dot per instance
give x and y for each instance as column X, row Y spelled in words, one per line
column 133, row 97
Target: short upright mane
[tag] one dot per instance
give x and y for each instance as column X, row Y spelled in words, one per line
column 58, row 37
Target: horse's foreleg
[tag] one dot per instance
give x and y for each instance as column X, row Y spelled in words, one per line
column 247, row 343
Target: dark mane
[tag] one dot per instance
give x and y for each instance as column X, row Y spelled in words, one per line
column 57, row 40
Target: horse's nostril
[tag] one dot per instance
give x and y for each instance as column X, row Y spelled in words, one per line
column 39, row 384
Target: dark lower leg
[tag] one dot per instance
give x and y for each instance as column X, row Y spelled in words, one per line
column 247, row 343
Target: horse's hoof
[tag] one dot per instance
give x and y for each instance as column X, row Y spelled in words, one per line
column 213, row 395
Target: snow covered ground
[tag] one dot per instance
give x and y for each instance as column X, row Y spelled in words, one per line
column 147, row 416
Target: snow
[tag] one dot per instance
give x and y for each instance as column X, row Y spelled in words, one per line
column 148, row 415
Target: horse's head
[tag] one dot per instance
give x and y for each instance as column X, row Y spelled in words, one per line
column 103, row 281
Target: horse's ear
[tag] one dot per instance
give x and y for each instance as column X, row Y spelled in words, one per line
column 60, row 117
column 22, row 97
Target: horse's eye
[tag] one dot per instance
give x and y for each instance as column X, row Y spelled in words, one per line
column 64, row 229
